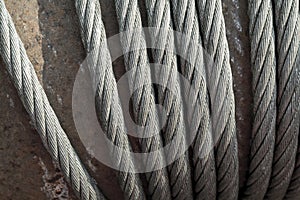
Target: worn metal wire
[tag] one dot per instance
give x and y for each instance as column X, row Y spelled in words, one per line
column 274, row 171
column 287, row 164
column 287, row 130
column 212, row 27
column 264, row 89
column 204, row 175
column 41, row 113
column 143, row 99
column 107, row 99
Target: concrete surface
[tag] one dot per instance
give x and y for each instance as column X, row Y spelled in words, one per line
column 50, row 32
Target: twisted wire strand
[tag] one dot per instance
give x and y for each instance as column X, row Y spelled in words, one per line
column 41, row 113
column 293, row 191
column 143, row 100
column 264, row 89
column 107, row 99
column 212, row 27
column 286, row 14
column 159, row 16
column 288, row 39
column 204, row 176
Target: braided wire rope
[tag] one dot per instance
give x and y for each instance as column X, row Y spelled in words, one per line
column 107, row 99
column 41, row 113
column 159, row 15
column 274, row 171
column 144, row 104
column 286, row 14
column 212, row 27
column 264, row 89
column 204, row 167
column 288, row 55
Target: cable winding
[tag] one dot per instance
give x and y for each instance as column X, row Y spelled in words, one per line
column 159, row 16
column 288, row 41
column 108, row 103
column 212, row 27
column 264, row 89
column 274, row 171
column 158, row 13
column 204, row 176
column 41, row 113
column 136, row 61
column 286, row 14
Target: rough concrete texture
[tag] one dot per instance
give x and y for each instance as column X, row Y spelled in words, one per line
column 50, row 32
column 237, row 22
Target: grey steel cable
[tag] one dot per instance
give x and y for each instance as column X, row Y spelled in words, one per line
column 41, row 113
column 108, row 103
column 286, row 14
column 212, row 27
column 159, row 15
column 293, row 191
column 288, row 55
column 264, row 89
column 144, row 101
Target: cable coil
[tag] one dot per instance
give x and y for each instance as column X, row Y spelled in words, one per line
column 274, row 168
